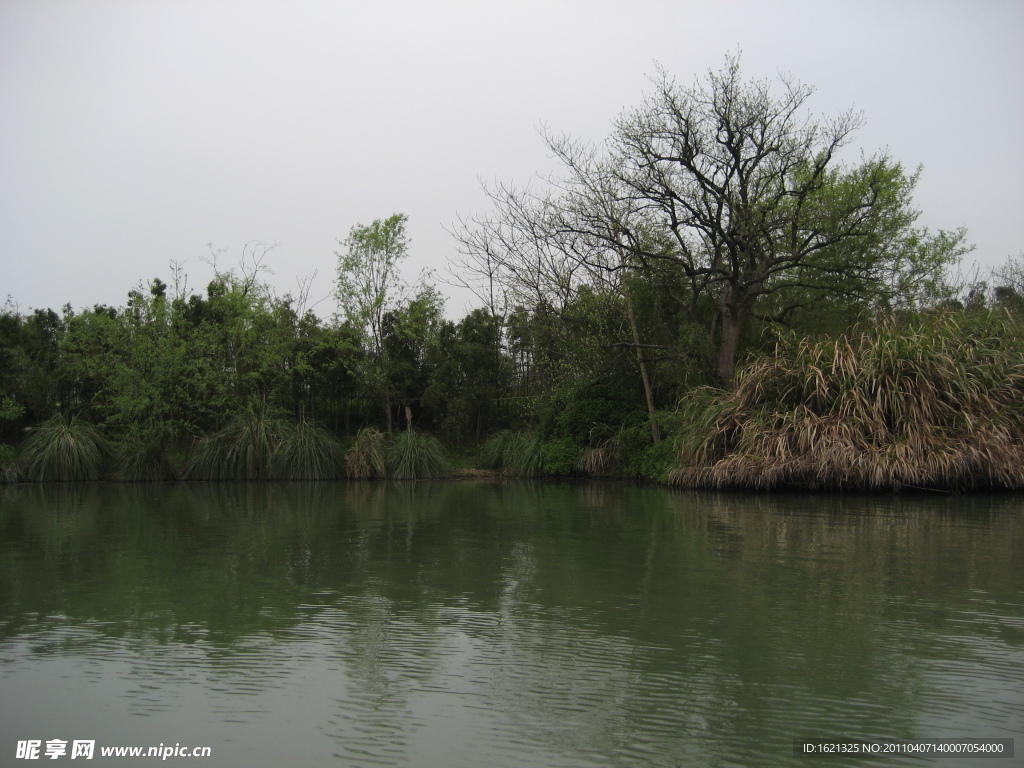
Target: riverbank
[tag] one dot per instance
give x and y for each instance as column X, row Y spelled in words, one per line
column 932, row 403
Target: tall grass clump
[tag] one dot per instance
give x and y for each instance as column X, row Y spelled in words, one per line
column 413, row 455
column 364, row 460
column 520, row 454
column 937, row 403
column 9, row 472
column 492, row 452
column 64, row 449
column 306, row 452
column 630, row 452
column 605, row 456
column 240, row 451
column 143, row 461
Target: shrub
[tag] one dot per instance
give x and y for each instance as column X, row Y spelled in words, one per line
column 630, row 451
column 561, row 456
column 655, row 462
column 577, row 411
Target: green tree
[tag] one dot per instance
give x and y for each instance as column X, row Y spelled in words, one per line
column 369, row 286
column 411, row 340
column 29, row 360
column 466, row 396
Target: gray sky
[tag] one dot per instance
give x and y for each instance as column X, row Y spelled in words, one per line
column 134, row 132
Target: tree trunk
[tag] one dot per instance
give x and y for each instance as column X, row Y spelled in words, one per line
column 733, row 318
column 648, row 391
column 641, row 362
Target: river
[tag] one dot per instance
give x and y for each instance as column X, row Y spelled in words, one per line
column 488, row 624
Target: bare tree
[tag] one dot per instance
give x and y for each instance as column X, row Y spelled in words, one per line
column 1011, row 274
column 735, row 187
column 252, row 264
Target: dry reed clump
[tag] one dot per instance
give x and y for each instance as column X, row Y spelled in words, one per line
column 365, row 459
column 604, row 458
column 937, row 404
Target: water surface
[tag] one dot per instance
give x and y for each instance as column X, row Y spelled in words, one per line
column 505, row 624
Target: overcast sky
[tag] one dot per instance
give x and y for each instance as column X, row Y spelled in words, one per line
column 135, row 132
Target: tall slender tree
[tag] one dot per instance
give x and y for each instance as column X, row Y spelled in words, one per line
column 369, row 287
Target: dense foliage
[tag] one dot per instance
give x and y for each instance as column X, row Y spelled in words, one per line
column 234, row 385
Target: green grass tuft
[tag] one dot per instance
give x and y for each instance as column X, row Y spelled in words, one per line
column 137, row 461
column 520, row 454
column 9, row 472
column 241, row 451
column 64, row 449
column 492, row 452
column 413, row 456
column 306, row 452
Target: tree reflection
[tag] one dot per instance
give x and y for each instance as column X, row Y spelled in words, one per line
column 600, row 621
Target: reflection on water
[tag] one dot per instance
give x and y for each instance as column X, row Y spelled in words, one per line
column 466, row 624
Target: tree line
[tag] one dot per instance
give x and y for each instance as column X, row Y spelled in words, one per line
column 715, row 220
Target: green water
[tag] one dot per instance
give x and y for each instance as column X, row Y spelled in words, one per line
column 486, row 624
